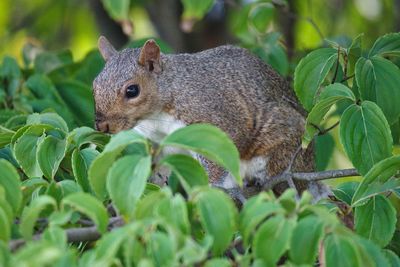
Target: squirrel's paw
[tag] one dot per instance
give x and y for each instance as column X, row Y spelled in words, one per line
column 257, row 180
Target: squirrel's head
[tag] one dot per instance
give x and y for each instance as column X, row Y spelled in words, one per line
column 126, row 89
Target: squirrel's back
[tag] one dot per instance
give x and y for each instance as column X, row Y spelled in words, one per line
column 232, row 70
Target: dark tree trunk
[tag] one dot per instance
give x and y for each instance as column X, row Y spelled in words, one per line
column 107, row 26
column 287, row 23
column 209, row 32
column 396, row 11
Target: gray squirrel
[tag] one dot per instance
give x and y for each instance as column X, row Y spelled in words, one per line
column 227, row 86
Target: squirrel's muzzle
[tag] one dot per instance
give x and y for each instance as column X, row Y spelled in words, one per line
column 102, row 126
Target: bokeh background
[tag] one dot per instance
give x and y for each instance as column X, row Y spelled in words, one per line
column 76, row 24
column 280, row 32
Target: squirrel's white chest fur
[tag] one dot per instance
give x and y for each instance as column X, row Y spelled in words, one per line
column 157, row 126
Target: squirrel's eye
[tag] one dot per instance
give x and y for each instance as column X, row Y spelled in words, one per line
column 132, row 91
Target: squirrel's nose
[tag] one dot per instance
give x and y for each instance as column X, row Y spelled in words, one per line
column 102, row 126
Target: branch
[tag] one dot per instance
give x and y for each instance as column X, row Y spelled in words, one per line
column 310, row 176
column 81, row 234
column 288, row 170
column 337, row 67
column 322, row 132
column 347, row 78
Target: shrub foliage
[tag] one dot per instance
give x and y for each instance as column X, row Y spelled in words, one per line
column 72, row 196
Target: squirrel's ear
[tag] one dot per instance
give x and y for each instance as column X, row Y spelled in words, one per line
column 106, row 48
column 150, row 56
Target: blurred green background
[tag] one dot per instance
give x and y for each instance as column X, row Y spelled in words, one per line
column 280, row 32
column 76, row 25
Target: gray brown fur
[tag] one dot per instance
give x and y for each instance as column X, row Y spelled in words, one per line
column 226, row 86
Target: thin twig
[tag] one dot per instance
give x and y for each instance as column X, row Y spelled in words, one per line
column 337, row 67
column 288, row 170
column 324, row 131
column 346, row 61
column 310, row 176
column 347, row 78
column 292, row 160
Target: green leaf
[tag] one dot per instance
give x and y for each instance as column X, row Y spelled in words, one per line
column 371, row 254
column 68, row 187
column 31, row 213
column 32, row 185
column 10, row 181
column 50, row 153
column 260, row 16
column 193, row 9
column 346, row 191
column 148, row 204
column 378, row 81
column 163, row 249
column 394, row 244
column 37, row 254
column 99, row 168
column 272, row 52
column 41, row 86
column 5, row 225
column 5, row 254
column 85, row 135
column 310, row 74
column 255, row 211
column 10, row 72
column 365, row 135
column 5, row 138
column 218, row 262
column 218, row 216
column 341, row 251
column 174, row 211
column 308, row 231
column 52, row 119
column 324, row 147
column 193, row 252
column 331, row 95
column 189, row 171
column 118, row 9
column 272, row 239
column 46, row 62
column 25, row 149
column 353, row 54
column 393, row 259
column 81, row 160
column 376, row 220
column 386, row 45
column 89, row 206
column 56, row 236
column 208, row 141
column 79, row 99
column 109, row 244
column 378, row 180
column 126, row 182
column 90, row 67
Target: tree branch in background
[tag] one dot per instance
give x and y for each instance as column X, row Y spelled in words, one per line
column 80, row 234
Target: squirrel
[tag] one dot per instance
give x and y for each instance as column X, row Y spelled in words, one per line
column 227, row 86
